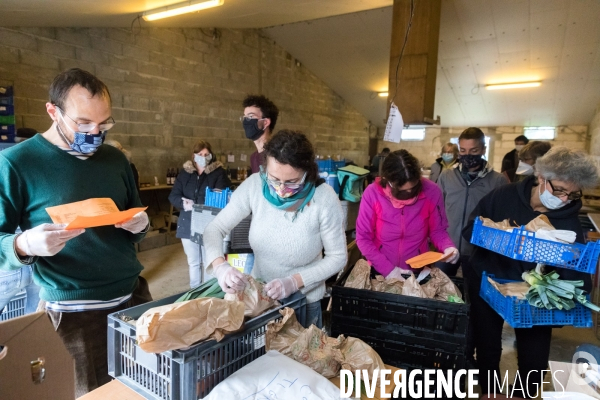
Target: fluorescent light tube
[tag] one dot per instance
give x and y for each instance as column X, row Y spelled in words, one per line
column 382, row 94
column 498, row 86
column 180, row 8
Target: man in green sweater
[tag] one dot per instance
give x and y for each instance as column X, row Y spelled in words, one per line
column 84, row 275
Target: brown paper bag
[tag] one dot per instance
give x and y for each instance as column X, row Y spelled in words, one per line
column 440, row 286
column 281, row 334
column 354, row 354
column 253, row 297
column 539, row 222
column 316, row 350
column 502, row 225
column 413, row 288
column 392, row 285
column 176, row 326
column 517, row 289
column 360, row 276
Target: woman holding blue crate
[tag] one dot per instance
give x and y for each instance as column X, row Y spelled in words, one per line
column 554, row 191
column 204, row 171
column 295, row 218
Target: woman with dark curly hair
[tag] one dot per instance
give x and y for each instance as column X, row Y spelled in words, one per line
column 294, row 218
column 399, row 214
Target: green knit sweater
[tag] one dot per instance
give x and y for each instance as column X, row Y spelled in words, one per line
column 100, row 264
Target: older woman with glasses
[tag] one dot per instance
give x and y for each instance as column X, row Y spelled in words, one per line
column 294, row 218
column 400, row 213
column 554, row 191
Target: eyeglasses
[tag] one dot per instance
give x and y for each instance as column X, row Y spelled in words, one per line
column 561, row 193
column 289, row 185
column 88, row 127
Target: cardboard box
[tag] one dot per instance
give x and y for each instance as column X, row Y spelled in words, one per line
column 568, row 384
column 34, row 363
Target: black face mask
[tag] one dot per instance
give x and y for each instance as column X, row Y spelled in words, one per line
column 407, row 194
column 253, row 132
column 469, row 161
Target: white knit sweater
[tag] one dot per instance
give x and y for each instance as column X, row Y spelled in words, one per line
column 282, row 247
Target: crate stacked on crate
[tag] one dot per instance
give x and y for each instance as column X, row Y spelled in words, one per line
column 188, row 373
column 15, row 307
column 523, row 245
column 8, row 130
column 407, row 332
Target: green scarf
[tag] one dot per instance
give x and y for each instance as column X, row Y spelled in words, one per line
column 293, row 203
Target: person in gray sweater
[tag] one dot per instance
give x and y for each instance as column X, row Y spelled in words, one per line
column 294, row 218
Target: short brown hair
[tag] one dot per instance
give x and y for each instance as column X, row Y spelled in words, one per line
column 473, row 134
column 533, row 150
column 65, row 81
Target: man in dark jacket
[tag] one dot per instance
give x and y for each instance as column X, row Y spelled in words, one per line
column 511, row 159
column 189, row 189
column 259, row 119
column 555, row 192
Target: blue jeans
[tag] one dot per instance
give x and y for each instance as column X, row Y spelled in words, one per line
column 195, row 262
column 314, row 315
column 12, row 282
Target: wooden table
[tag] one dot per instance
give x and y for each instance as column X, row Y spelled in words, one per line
column 115, row 390
column 154, row 188
column 595, row 218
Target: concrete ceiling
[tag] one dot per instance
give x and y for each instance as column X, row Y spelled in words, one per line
column 346, row 44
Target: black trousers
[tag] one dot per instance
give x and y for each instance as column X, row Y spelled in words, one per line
column 533, row 345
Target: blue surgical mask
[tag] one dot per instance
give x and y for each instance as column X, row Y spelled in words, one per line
column 202, row 161
column 447, row 157
column 84, row 143
column 550, row 201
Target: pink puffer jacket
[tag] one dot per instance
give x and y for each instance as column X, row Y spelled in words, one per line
column 389, row 236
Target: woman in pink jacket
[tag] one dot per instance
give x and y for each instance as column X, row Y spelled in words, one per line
column 400, row 213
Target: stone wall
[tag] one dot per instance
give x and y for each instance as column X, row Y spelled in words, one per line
column 171, row 87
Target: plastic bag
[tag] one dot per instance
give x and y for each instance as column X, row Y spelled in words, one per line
column 176, row 326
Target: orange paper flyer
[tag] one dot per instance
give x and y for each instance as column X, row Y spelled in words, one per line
column 90, row 213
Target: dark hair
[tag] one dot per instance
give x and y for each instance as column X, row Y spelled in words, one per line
column 201, row 145
column 385, row 150
column 65, row 81
column 534, row 149
column 400, row 167
column 26, row 132
column 473, row 133
column 267, row 108
column 293, row 148
column 522, row 138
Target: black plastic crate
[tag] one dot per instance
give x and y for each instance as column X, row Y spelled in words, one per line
column 395, row 324
column 188, row 373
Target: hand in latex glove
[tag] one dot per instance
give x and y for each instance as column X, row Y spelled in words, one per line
column 230, row 279
column 187, row 204
column 281, row 288
column 45, row 239
column 454, row 257
column 397, row 274
column 138, row 223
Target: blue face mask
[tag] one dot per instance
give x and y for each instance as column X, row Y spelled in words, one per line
column 84, row 143
column 447, row 157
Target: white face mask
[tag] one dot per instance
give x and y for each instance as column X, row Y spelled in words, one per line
column 550, row 201
column 524, row 169
column 202, row 161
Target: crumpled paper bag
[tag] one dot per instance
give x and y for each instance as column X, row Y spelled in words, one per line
column 391, row 285
column 502, row 225
column 176, row 326
column 313, row 348
column 539, row 222
column 360, row 276
column 516, row 289
column 413, row 288
column 253, row 297
column 440, row 286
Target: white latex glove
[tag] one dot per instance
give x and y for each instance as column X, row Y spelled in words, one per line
column 138, row 223
column 397, row 274
column 45, row 239
column 230, row 279
column 187, row 204
column 453, row 259
column 281, row 288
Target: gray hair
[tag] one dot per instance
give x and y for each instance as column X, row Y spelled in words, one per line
column 564, row 164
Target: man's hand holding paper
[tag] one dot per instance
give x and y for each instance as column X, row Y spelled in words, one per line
column 97, row 212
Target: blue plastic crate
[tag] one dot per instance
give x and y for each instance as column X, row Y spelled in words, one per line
column 522, row 245
column 6, row 91
column 339, row 164
column 7, row 137
column 329, row 165
column 217, row 198
column 519, row 314
column 6, row 109
column 6, row 101
column 15, row 307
